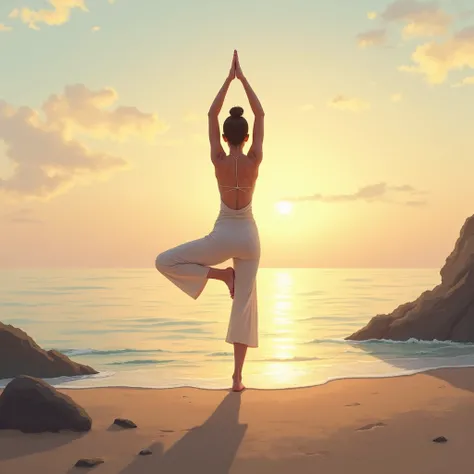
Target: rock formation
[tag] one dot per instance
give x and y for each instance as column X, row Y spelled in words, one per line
column 33, row 406
column 20, row 355
column 443, row 313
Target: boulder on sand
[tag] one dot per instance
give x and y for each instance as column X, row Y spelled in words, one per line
column 33, row 406
column 443, row 313
column 20, row 355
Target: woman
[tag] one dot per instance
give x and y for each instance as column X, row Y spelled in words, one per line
column 235, row 233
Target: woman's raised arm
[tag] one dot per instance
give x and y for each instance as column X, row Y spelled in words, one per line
column 256, row 149
column 213, row 114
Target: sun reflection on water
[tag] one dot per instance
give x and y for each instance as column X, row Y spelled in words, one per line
column 282, row 344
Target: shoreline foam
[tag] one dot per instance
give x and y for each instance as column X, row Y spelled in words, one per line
column 407, row 373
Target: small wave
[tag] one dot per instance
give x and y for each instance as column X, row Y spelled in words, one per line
column 413, row 340
column 97, row 352
column 19, row 321
column 102, row 304
column 221, row 354
column 25, row 304
column 358, row 280
column 164, row 322
column 78, row 288
column 192, row 330
column 310, row 293
column 290, row 359
column 104, row 278
column 142, row 362
column 332, row 318
column 328, row 341
column 56, row 381
column 389, row 341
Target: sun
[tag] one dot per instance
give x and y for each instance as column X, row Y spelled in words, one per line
column 284, row 207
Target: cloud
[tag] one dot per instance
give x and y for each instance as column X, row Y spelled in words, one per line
column 58, row 14
column 306, row 107
column 421, row 19
column 467, row 81
column 435, row 60
column 46, row 163
column 372, row 15
column 352, row 104
column 47, row 156
column 396, row 97
column 95, row 29
column 79, row 109
column 380, row 192
column 372, row 38
column 22, row 216
column 5, row 28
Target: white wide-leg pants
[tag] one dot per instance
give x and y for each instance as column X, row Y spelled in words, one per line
column 235, row 235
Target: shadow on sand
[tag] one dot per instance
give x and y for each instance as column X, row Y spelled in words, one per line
column 210, row 448
column 13, row 445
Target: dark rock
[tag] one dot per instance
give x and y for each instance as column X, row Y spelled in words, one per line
column 440, row 439
column 33, row 406
column 20, row 355
column 146, row 452
column 89, row 462
column 124, row 423
column 444, row 313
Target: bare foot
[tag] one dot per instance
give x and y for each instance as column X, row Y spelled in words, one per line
column 238, row 386
column 229, row 280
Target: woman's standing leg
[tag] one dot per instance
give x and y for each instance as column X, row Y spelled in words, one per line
column 243, row 324
column 240, row 351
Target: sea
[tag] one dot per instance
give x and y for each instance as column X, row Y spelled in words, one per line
column 138, row 330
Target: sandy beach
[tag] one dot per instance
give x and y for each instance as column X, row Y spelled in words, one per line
column 358, row 426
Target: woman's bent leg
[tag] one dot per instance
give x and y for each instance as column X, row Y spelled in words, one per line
column 187, row 265
column 223, row 274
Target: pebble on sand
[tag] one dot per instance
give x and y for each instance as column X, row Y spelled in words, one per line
column 146, row 452
column 440, row 439
column 89, row 462
column 124, row 423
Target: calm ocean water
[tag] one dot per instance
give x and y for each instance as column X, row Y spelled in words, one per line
column 138, row 330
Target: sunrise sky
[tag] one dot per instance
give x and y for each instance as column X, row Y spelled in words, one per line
column 104, row 155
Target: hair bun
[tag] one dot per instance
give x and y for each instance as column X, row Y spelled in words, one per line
column 236, row 112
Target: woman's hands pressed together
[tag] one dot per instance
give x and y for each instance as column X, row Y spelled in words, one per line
column 238, row 70
column 235, row 68
column 232, row 67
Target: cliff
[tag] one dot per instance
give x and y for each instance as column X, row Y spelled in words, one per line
column 444, row 313
column 20, row 355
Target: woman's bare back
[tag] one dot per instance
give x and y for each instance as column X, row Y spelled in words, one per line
column 236, row 173
column 236, row 177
